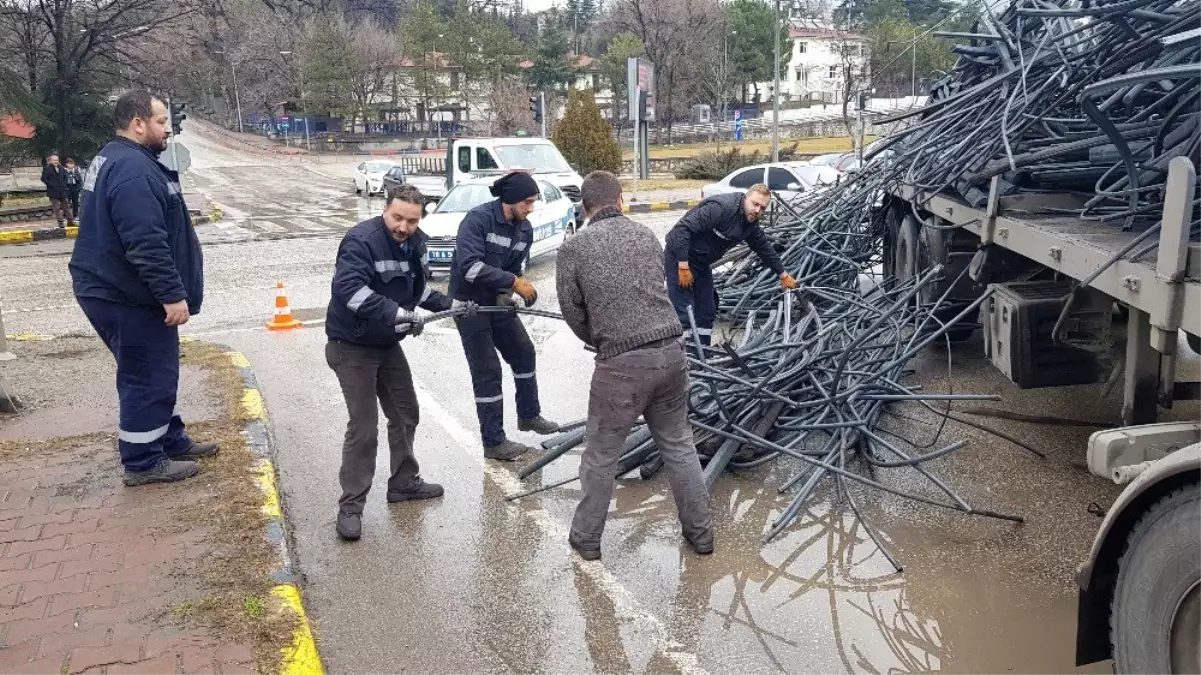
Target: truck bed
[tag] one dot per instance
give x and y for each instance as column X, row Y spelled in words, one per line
column 1073, row 247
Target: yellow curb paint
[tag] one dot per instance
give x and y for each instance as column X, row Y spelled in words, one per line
column 238, row 360
column 29, row 337
column 252, row 404
column 72, row 232
column 660, row 206
column 17, row 237
column 299, row 658
column 266, row 481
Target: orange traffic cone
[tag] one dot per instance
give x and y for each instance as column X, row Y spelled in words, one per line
column 283, row 314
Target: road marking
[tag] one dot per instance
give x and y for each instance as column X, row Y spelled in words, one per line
column 625, row 605
column 306, row 224
column 267, row 226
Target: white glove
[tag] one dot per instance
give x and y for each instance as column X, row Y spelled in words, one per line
column 470, row 307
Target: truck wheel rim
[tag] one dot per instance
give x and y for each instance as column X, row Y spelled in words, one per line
column 1184, row 648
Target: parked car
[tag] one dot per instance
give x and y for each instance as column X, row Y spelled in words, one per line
column 432, row 187
column 369, row 177
column 553, row 219
column 828, row 159
column 786, row 179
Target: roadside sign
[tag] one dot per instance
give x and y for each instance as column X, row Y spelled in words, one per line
column 176, row 157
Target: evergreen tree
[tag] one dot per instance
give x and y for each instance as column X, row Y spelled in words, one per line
column 584, row 137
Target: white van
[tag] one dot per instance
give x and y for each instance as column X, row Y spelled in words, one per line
column 474, row 157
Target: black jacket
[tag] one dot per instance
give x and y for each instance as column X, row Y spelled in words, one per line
column 489, row 254
column 373, row 277
column 73, row 179
column 136, row 242
column 55, row 180
column 714, row 226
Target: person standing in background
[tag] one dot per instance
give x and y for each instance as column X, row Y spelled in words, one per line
column 74, row 180
column 55, row 180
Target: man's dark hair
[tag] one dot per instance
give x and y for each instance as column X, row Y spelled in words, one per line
column 69, row 160
column 132, row 105
column 405, row 193
column 600, row 189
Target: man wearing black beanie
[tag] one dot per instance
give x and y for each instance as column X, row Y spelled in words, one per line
column 491, row 248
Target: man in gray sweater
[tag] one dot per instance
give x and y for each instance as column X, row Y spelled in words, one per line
column 611, row 293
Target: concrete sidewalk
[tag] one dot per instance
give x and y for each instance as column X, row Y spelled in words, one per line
column 96, row 577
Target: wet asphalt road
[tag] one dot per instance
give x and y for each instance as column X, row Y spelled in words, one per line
column 472, row 583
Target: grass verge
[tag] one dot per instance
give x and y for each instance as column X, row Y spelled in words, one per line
column 237, row 603
column 806, row 145
column 632, row 185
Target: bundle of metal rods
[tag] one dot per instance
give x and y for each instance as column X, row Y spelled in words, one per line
column 1057, row 96
column 1049, row 96
column 810, row 384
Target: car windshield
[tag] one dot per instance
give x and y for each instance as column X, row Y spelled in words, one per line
column 818, row 175
column 378, row 167
column 463, row 198
column 541, row 157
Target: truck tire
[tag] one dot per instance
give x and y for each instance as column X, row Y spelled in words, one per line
column 1156, row 611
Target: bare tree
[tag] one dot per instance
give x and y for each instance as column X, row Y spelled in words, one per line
column 674, row 33
column 854, row 73
column 507, row 108
column 376, row 53
column 82, row 44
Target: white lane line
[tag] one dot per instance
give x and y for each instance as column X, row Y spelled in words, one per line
column 625, row 604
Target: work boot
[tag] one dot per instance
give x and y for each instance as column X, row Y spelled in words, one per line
column 199, row 450
column 539, row 425
column 350, row 525
column 703, row 545
column 416, row 489
column 585, row 552
column 507, row 451
column 166, row 471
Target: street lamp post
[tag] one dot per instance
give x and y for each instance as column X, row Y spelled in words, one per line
column 725, row 76
column 775, row 90
column 304, row 106
column 237, row 99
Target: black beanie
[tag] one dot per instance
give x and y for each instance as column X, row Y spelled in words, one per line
column 514, row 188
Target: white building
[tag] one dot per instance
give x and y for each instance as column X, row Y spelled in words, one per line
column 820, row 61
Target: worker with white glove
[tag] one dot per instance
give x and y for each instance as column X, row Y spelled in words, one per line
column 379, row 280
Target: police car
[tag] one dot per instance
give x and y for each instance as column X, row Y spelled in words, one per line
column 553, row 219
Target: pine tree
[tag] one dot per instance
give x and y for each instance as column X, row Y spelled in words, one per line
column 584, row 137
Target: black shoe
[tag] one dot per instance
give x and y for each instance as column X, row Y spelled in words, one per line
column 585, row 552
column 539, row 425
column 702, row 546
column 166, row 471
column 507, row 451
column 416, row 489
column 199, row 450
column 350, row 525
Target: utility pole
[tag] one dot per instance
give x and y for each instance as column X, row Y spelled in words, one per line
column 775, row 90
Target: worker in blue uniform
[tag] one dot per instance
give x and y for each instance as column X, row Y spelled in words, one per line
column 138, row 275
column 700, row 238
column 379, row 280
column 491, row 249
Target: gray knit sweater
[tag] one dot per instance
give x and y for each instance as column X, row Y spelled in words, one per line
column 611, row 287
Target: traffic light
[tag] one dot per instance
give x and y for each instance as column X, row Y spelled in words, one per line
column 536, row 107
column 177, row 117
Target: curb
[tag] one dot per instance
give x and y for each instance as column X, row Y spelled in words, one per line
column 662, row 206
column 301, row 657
column 52, row 233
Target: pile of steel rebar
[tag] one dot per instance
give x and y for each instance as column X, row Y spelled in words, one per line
column 1049, row 96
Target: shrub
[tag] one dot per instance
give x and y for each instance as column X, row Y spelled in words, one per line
column 585, row 138
column 716, row 164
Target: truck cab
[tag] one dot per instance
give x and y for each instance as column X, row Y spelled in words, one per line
column 473, row 157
